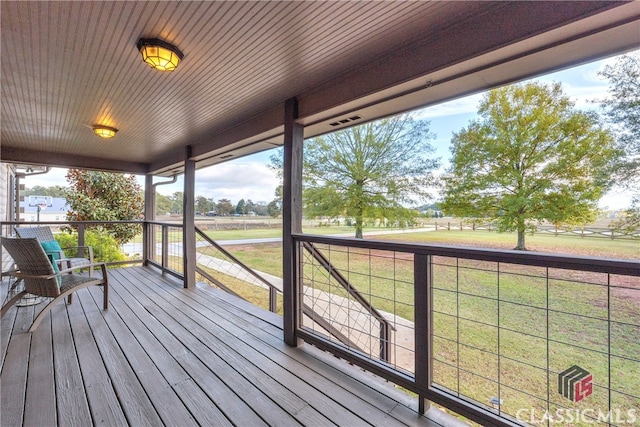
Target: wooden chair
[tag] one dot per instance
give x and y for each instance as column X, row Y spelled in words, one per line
column 44, row 234
column 40, row 278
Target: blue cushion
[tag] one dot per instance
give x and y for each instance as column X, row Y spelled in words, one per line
column 51, row 249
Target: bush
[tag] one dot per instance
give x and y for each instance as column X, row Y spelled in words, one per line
column 105, row 247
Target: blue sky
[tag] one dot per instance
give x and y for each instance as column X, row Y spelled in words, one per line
column 250, row 178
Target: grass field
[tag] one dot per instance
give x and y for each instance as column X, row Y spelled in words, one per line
column 505, row 331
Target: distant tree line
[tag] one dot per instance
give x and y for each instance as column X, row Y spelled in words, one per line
column 223, row 207
column 173, row 204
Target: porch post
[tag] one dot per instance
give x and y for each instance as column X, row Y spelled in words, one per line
column 188, row 221
column 291, row 217
column 148, row 237
column 422, row 291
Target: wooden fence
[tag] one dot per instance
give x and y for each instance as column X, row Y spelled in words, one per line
column 598, row 232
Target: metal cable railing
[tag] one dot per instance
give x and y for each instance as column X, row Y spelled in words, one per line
column 357, row 312
column 219, row 267
column 502, row 337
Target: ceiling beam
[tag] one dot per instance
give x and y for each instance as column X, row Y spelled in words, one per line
column 20, row 155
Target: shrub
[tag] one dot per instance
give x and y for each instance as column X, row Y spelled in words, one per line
column 105, row 247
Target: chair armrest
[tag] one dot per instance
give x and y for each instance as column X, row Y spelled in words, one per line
column 20, row 275
column 102, row 265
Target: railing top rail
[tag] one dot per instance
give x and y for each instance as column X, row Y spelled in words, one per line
column 65, row 222
column 168, row 224
column 573, row 262
column 212, row 242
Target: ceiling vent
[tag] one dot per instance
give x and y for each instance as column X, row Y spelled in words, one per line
column 226, row 156
column 344, row 121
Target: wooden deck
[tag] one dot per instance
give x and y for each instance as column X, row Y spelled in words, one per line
column 163, row 355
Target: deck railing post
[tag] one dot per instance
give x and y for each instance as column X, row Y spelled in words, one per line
column 165, row 248
column 291, row 220
column 273, row 300
column 385, row 341
column 148, row 240
column 81, row 237
column 422, row 300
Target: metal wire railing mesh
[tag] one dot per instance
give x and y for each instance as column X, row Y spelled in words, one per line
column 506, row 336
column 364, row 300
column 218, row 267
column 165, row 246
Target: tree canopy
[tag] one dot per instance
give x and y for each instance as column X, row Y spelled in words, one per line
column 623, row 111
column 531, row 156
column 368, row 171
column 38, row 190
column 104, row 196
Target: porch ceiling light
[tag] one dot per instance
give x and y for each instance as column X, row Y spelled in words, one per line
column 105, row 132
column 159, row 54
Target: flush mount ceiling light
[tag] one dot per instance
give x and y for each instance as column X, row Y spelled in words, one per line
column 159, row 54
column 105, row 132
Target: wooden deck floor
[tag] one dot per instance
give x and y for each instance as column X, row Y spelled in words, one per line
column 163, row 355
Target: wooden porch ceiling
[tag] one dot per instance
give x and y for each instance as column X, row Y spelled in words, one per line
column 164, row 355
column 68, row 65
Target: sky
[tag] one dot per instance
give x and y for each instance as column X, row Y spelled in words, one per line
column 251, row 178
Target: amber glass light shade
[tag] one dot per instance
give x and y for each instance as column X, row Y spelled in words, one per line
column 159, row 54
column 105, row 132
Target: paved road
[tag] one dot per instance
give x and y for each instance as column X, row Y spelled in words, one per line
column 279, row 239
column 177, row 247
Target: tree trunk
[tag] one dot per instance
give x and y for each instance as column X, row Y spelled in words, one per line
column 359, row 209
column 359, row 226
column 520, row 246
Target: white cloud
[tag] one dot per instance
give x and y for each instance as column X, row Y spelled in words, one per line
column 56, row 176
column 616, row 199
column 466, row 105
column 237, row 180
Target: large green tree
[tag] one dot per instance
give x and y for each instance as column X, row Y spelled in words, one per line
column 622, row 108
column 531, row 156
column 104, row 196
column 371, row 171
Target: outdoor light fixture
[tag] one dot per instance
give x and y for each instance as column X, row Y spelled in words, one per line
column 105, row 132
column 159, row 54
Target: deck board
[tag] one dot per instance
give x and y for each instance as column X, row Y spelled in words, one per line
column 70, row 386
column 163, row 355
column 40, row 402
